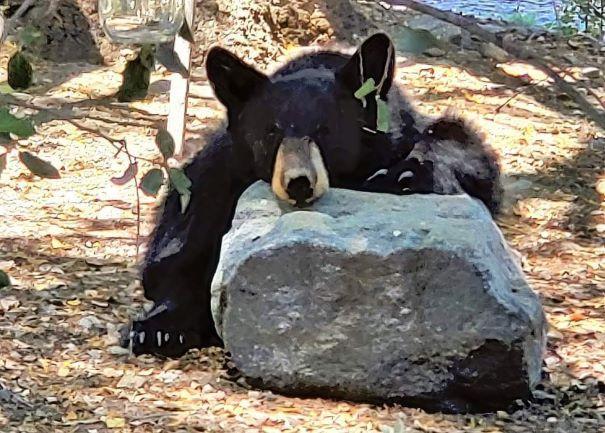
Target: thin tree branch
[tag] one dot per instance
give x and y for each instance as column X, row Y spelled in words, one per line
column 52, row 8
column 6, row 25
column 518, row 51
column 21, row 10
column 117, row 143
column 121, row 146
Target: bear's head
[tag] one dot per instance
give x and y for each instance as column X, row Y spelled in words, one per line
column 304, row 126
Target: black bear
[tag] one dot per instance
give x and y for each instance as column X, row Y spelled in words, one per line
column 318, row 122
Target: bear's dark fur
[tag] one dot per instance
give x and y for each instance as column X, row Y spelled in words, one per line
column 309, row 104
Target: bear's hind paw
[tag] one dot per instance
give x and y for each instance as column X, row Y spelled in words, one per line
column 155, row 334
column 142, row 339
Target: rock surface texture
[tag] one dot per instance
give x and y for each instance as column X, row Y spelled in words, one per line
column 378, row 298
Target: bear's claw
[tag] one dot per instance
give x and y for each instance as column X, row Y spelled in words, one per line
column 160, row 342
column 154, row 335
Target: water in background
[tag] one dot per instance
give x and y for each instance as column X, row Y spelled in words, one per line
column 542, row 10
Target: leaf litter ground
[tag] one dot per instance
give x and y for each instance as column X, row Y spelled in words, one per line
column 69, row 248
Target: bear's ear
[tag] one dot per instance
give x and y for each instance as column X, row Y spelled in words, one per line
column 233, row 80
column 374, row 59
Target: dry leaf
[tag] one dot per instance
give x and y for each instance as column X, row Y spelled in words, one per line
column 115, row 422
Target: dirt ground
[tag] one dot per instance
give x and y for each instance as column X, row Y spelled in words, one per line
column 69, row 246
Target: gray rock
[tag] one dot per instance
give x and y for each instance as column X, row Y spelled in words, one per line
column 434, row 52
column 591, row 73
column 374, row 297
column 442, row 30
column 492, row 51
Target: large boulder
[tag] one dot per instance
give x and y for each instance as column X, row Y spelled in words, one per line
column 378, row 298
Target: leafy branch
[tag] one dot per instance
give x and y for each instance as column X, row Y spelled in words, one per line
column 150, row 184
column 152, row 180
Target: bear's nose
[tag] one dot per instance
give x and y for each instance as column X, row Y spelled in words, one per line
column 299, row 189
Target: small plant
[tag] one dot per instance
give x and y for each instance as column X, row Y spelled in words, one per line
column 522, row 19
column 136, row 75
column 583, row 15
column 19, row 69
column 155, row 178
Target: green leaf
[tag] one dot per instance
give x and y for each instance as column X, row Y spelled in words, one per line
column 382, row 119
column 30, row 35
column 4, row 279
column 181, row 183
column 152, row 181
column 165, row 143
column 38, row 166
column 128, row 175
column 13, row 125
column 366, row 88
column 185, row 199
column 179, row 180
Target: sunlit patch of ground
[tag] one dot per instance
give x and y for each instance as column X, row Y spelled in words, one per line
column 69, row 247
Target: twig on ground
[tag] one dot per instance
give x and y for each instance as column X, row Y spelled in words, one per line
column 121, row 146
column 519, row 91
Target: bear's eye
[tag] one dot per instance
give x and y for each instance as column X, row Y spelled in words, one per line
column 274, row 129
column 274, row 134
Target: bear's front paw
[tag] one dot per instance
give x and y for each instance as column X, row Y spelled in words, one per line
column 143, row 338
column 159, row 333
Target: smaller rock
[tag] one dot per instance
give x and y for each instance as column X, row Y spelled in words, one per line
column 571, row 59
column 89, row 322
column 8, row 303
column 434, row 52
column 493, row 27
column 492, row 51
column 591, row 73
column 130, row 381
column 441, row 30
column 600, row 186
column 118, row 350
column 321, row 24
